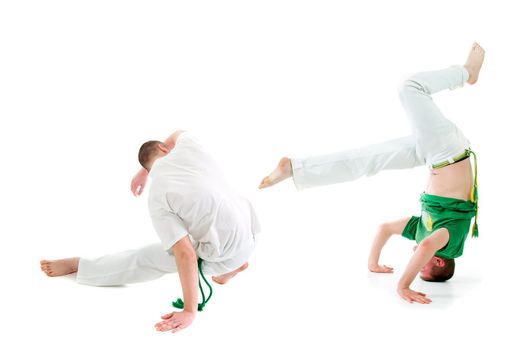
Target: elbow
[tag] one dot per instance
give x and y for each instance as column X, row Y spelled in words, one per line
column 426, row 246
column 186, row 255
column 386, row 229
column 184, row 251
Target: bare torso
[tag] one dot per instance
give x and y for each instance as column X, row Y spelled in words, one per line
column 453, row 181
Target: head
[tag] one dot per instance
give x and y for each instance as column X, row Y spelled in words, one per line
column 151, row 151
column 437, row 270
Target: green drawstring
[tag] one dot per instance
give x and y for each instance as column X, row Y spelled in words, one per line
column 179, row 303
column 474, row 195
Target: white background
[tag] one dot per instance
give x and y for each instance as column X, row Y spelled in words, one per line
column 83, row 84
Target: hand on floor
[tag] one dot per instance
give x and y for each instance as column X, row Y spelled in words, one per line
column 380, row 269
column 175, row 321
column 411, row 296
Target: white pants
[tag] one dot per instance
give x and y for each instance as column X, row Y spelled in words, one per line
column 141, row 265
column 434, row 140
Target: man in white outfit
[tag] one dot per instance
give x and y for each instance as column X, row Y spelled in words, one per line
column 196, row 215
column 450, row 199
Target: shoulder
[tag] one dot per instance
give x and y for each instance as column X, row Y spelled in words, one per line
column 156, row 196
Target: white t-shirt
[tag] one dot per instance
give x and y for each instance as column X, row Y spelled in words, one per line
column 189, row 196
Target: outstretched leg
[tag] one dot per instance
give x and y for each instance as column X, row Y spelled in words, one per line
column 346, row 166
column 131, row 266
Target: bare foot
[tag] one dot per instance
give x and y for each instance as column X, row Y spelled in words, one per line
column 60, row 267
column 223, row 279
column 282, row 172
column 474, row 62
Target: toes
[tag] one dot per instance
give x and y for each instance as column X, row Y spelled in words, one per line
column 265, row 182
column 218, row 280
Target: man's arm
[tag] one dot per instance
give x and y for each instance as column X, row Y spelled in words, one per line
column 139, row 180
column 421, row 256
column 186, row 260
column 385, row 231
column 171, row 141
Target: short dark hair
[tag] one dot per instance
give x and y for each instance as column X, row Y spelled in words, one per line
column 444, row 273
column 147, row 151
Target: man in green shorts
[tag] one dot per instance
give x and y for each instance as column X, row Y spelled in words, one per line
column 450, row 200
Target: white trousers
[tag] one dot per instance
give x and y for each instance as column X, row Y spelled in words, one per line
column 141, row 265
column 435, row 139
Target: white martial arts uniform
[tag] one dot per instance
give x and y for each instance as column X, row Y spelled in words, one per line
column 188, row 196
column 434, row 140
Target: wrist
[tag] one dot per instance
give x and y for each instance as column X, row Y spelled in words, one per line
column 402, row 285
column 191, row 311
column 372, row 262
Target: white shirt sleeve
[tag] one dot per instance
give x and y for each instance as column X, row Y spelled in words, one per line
column 169, row 227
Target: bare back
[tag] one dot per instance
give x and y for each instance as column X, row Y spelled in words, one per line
column 453, row 181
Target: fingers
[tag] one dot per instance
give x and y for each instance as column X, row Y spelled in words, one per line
column 137, row 190
column 408, row 299
column 382, row 269
column 137, row 186
column 172, row 325
column 169, row 322
column 387, row 269
column 174, row 322
column 422, row 300
column 417, row 297
column 167, row 316
column 176, row 329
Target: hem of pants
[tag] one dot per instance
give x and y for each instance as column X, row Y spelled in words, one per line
column 298, row 174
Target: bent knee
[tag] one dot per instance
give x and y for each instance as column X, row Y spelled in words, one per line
column 409, row 86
